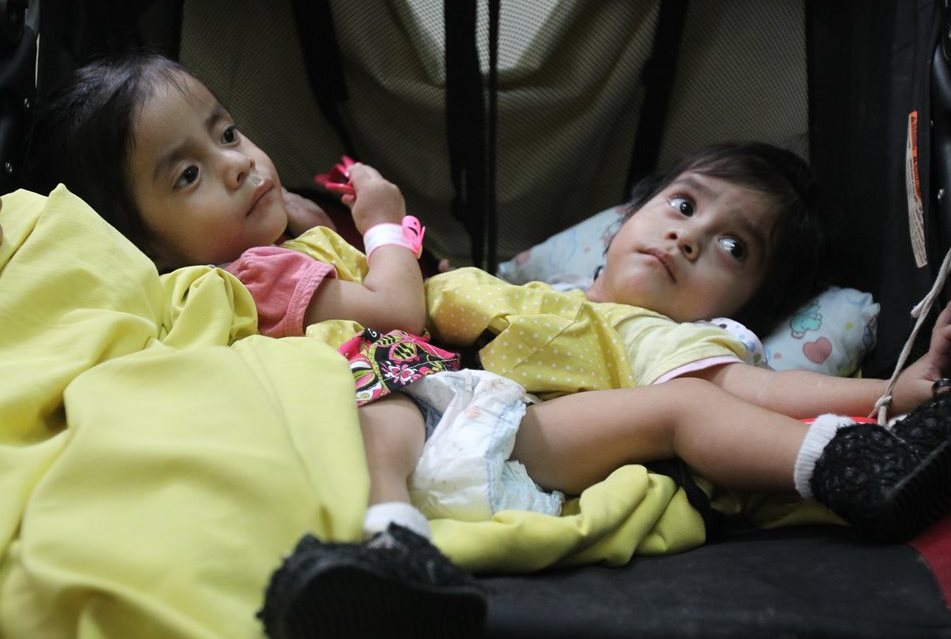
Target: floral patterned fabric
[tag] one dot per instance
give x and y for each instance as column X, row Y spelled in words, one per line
column 384, row 362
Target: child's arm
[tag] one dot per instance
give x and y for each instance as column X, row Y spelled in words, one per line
column 807, row 394
column 797, row 393
column 391, row 295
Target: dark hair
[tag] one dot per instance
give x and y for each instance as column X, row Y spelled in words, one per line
column 799, row 238
column 82, row 136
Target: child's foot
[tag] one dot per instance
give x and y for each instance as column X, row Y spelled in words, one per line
column 891, row 484
column 928, row 426
column 395, row 584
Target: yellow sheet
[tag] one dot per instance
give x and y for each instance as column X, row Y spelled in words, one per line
column 157, row 458
column 152, row 476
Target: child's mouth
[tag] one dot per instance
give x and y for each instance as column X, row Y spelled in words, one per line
column 264, row 187
column 665, row 260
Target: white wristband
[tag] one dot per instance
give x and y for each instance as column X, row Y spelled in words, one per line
column 409, row 235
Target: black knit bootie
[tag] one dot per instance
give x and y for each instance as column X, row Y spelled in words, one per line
column 396, row 584
column 927, row 427
column 878, row 481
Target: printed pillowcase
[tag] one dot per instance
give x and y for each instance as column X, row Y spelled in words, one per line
column 573, row 253
column 830, row 334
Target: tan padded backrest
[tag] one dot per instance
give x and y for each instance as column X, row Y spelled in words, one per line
column 569, row 97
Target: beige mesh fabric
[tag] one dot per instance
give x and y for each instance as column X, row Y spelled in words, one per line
column 741, row 75
column 569, row 98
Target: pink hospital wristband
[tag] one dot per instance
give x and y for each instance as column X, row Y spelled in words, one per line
column 409, row 235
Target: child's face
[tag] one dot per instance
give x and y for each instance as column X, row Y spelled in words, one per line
column 697, row 250
column 205, row 192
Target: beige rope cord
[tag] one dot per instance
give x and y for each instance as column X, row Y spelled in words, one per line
column 920, row 312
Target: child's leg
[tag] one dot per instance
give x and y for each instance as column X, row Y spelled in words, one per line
column 891, row 483
column 393, row 435
column 396, row 582
column 571, row 442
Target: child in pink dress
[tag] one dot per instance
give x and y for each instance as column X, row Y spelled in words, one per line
column 151, row 149
column 158, row 157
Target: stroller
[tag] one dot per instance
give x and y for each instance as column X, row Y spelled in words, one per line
column 528, row 117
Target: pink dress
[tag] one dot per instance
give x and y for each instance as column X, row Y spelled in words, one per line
column 283, row 281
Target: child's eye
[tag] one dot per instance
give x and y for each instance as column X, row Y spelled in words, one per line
column 230, row 136
column 683, row 205
column 189, row 175
column 736, row 248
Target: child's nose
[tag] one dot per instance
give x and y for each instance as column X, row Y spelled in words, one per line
column 238, row 167
column 685, row 242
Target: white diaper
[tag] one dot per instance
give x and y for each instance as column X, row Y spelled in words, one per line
column 464, row 471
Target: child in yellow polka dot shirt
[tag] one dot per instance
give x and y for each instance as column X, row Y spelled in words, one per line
column 733, row 231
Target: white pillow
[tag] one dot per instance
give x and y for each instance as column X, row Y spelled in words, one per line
column 829, row 334
column 575, row 252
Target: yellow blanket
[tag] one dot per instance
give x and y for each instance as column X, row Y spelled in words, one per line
column 157, row 457
column 152, row 476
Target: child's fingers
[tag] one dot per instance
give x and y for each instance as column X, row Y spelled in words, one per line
column 368, row 183
column 303, row 214
column 944, row 318
column 375, row 200
column 360, row 172
column 942, row 325
column 940, row 348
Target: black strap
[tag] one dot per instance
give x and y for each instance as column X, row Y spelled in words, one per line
column 491, row 253
column 471, row 127
column 17, row 93
column 464, row 119
column 657, row 76
column 318, row 39
column 678, row 471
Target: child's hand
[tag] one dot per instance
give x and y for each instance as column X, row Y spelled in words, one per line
column 375, row 200
column 303, row 214
column 914, row 384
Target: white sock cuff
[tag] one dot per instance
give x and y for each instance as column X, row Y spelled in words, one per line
column 820, row 433
column 380, row 516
